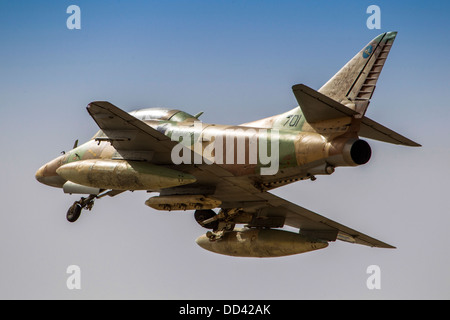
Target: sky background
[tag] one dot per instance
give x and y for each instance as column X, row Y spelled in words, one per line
column 236, row 61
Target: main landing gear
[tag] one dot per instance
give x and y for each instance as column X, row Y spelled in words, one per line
column 219, row 223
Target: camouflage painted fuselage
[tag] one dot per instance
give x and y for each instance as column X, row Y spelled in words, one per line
column 301, row 150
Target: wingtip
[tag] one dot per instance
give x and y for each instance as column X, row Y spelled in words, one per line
column 414, row 144
column 91, row 104
column 388, row 246
column 97, row 102
column 94, row 105
column 297, row 86
column 383, row 246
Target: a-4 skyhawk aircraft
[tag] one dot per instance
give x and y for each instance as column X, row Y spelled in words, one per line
column 201, row 167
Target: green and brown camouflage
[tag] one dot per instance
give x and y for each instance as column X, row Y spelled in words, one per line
column 200, row 166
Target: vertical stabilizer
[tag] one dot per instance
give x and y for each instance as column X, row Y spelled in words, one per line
column 355, row 83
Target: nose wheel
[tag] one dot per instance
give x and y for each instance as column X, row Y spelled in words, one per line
column 74, row 211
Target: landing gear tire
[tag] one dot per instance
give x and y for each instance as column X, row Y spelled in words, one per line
column 202, row 215
column 74, row 212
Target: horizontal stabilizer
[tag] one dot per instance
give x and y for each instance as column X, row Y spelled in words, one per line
column 317, row 106
column 373, row 130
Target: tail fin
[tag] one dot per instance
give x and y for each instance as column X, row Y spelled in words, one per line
column 354, row 84
column 348, row 93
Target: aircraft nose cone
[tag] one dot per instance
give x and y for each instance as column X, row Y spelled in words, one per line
column 40, row 174
column 47, row 175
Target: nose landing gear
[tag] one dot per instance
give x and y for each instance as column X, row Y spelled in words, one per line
column 74, row 211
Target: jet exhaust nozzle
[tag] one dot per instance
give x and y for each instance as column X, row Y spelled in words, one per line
column 349, row 152
column 359, row 151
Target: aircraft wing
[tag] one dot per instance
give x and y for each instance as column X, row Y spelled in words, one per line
column 275, row 212
column 130, row 136
column 316, row 225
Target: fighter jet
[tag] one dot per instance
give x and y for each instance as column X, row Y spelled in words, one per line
column 224, row 173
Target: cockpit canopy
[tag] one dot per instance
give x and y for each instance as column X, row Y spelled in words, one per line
column 157, row 114
column 161, row 114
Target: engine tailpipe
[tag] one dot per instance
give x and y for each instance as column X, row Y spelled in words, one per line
column 349, row 152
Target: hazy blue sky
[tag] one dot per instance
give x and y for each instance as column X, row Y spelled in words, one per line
column 236, row 61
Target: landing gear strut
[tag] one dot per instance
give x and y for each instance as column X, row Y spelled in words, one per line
column 203, row 215
column 87, row 203
column 74, row 211
column 219, row 223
